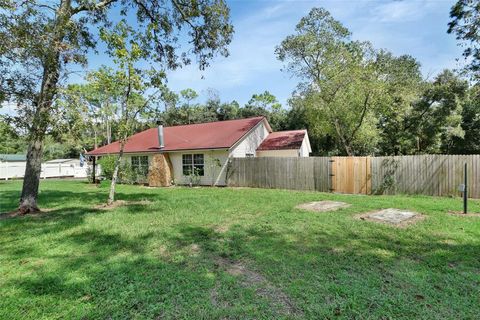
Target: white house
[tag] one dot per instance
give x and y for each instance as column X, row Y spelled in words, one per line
column 173, row 153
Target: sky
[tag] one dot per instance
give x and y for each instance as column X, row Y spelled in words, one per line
column 414, row 27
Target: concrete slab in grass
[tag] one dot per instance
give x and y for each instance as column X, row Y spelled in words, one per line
column 323, row 206
column 396, row 217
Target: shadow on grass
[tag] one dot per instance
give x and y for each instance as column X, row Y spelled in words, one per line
column 56, row 198
column 327, row 274
column 379, row 269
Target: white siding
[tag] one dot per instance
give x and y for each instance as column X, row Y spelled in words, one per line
column 250, row 143
column 215, row 167
column 304, row 152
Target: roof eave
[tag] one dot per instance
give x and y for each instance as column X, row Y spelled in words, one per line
column 160, row 151
column 262, row 119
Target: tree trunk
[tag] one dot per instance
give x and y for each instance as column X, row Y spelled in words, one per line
column 123, row 141
column 109, row 132
column 348, row 150
column 28, row 199
column 111, row 196
column 345, row 143
column 31, row 180
column 48, row 89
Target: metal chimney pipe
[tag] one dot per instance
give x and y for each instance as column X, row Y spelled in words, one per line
column 161, row 140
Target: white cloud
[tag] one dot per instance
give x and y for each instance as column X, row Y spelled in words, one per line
column 252, row 54
column 410, row 27
column 400, row 11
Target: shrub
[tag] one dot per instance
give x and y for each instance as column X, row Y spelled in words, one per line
column 107, row 164
column 126, row 174
column 193, row 179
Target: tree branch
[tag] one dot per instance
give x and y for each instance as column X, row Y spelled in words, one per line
column 346, row 144
column 92, row 7
column 38, row 5
column 364, row 111
column 419, row 117
column 185, row 18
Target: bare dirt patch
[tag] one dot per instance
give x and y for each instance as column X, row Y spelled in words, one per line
column 262, row 286
column 120, row 203
column 194, row 249
column 163, row 251
column 222, row 228
column 394, row 217
column 323, row 206
column 461, row 214
column 17, row 213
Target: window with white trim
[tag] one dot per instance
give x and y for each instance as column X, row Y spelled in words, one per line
column 193, row 163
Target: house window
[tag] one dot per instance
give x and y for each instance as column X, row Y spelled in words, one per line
column 249, row 155
column 193, row 163
column 140, row 164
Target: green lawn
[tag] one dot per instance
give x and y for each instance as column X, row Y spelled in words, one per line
column 214, row 253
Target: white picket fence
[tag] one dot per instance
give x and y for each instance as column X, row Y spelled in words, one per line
column 16, row 170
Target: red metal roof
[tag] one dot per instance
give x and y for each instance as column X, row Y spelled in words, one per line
column 282, row 140
column 211, row 135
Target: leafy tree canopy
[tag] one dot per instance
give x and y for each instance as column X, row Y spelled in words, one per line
column 345, row 85
column 465, row 24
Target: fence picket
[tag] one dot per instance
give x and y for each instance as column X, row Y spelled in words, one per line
column 437, row 175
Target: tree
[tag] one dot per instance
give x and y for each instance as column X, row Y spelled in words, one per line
column 131, row 82
column 341, row 80
column 228, row 111
column 83, row 109
column 170, row 114
column 465, row 24
column 187, row 95
column 403, row 87
column 436, row 117
column 266, row 104
column 209, row 111
column 321, row 143
column 40, row 39
column 470, row 142
column 12, row 141
column 349, row 91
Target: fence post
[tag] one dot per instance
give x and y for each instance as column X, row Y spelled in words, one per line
column 465, row 191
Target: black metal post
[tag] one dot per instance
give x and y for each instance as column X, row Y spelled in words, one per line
column 465, row 191
column 93, row 172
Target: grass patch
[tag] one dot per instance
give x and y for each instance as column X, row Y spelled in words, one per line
column 171, row 252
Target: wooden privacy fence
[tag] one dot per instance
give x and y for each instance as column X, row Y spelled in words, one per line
column 282, row 173
column 434, row 175
column 351, row 175
column 437, row 175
